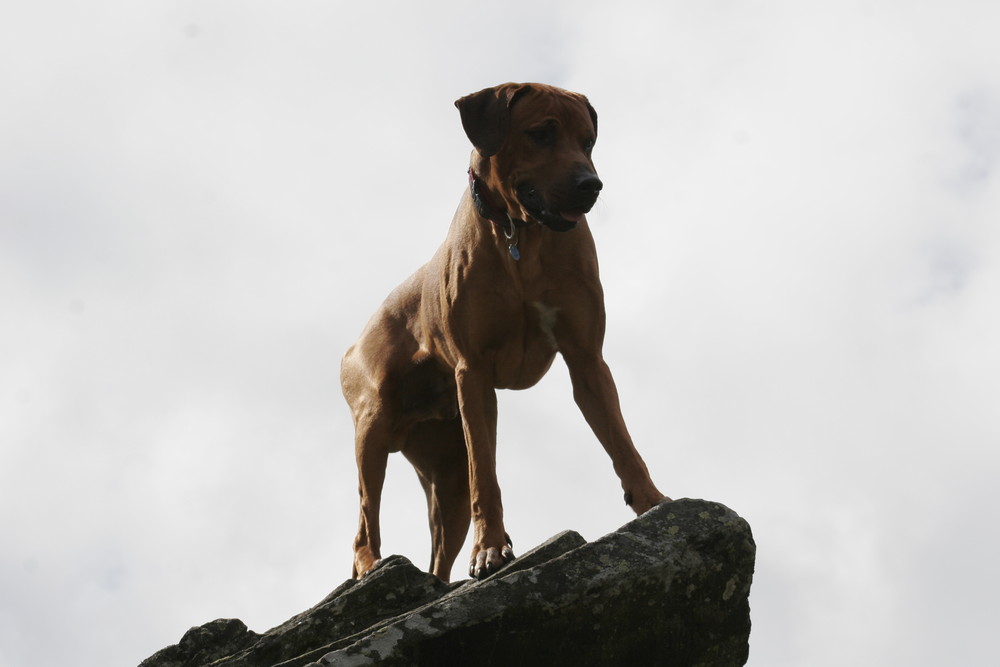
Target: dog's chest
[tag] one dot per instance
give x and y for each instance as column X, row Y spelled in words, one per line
column 547, row 316
column 529, row 347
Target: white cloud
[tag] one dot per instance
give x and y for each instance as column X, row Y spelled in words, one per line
column 201, row 204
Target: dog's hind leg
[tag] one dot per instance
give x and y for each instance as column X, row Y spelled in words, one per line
column 437, row 451
column 372, row 446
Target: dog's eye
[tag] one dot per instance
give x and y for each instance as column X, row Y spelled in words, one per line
column 542, row 136
column 588, row 146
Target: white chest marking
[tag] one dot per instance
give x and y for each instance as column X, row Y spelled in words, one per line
column 547, row 321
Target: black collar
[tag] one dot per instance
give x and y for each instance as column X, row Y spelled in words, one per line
column 499, row 216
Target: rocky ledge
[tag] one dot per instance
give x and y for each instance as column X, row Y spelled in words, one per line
column 669, row 588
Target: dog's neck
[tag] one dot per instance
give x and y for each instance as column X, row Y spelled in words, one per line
column 500, row 217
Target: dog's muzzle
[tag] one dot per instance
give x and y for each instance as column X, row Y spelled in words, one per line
column 563, row 214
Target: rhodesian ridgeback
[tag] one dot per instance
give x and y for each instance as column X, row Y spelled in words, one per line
column 514, row 282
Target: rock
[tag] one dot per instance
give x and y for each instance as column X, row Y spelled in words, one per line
column 669, row 588
column 205, row 644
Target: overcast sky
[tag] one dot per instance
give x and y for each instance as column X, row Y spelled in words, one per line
column 201, row 203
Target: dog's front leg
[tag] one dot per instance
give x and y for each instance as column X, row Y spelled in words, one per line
column 597, row 397
column 477, row 402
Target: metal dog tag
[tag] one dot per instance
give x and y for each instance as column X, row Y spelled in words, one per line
column 514, row 252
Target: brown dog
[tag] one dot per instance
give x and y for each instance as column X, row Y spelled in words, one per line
column 514, row 282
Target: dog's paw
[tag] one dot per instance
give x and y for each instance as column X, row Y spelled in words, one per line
column 371, row 569
column 363, row 568
column 487, row 561
column 645, row 502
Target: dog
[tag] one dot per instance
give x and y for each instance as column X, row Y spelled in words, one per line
column 514, row 283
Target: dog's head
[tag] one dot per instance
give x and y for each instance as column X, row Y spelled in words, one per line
column 533, row 144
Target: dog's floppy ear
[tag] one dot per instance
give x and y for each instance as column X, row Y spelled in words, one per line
column 593, row 114
column 486, row 115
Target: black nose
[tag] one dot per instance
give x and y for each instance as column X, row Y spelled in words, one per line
column 590, row 183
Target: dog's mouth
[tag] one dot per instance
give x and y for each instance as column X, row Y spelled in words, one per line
column 561, row 219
